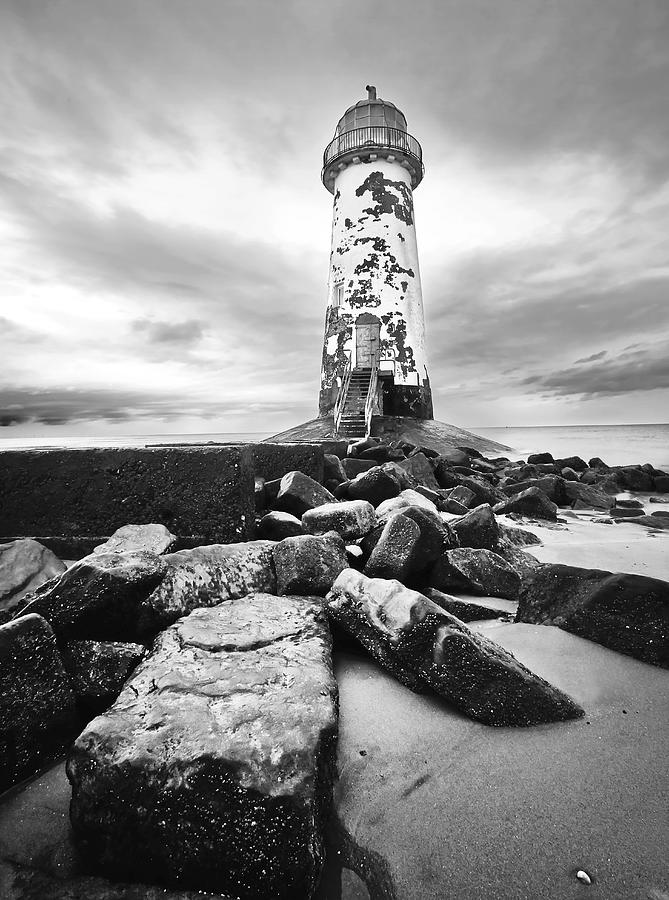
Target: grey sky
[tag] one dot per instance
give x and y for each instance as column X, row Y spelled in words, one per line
column 165, row 233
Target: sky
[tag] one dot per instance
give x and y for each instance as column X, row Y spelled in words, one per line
column 164, row 234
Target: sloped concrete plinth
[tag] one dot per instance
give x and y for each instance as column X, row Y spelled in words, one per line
column 439, row 436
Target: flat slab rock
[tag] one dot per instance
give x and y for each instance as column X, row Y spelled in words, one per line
column 425, row 647
column 153, row 537
column 24, row 566
column 627, row 613
column 214, row 768
column 206, row 576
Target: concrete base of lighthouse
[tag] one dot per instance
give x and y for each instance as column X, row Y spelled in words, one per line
column 439, row 436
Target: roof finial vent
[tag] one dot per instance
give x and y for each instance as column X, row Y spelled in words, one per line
column 371, row 91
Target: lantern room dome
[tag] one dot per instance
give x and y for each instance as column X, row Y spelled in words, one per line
column 369, row 112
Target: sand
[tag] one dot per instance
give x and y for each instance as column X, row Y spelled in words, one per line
column 431, row 805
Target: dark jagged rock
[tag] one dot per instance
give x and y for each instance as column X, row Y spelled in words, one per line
column 572, row 462
column 632, row 478
column 38, row 717
column 463, row 495
column 519, row 537
column 586, row 496
column 483, row 491
column 475, row 572
column 406, row 498
column 466, row 610
column 478, row 528
column 553, row 486
column 353, row 466
column 436, row 536
column 569, row 475
column 333, row 469
column 661, row 513
column 204, row 576
column 98, row 670
column 375, row 486
column 425, row 647
column 351, row 519
column 418, row 466
column 392, row 556
column 523, row 563
column 540, row 458
column 627, row 613
column 629, row 503
column 455, row 457
column 355, row 448
column 99, row 597
column 25, row 565
column 214, row 768
column 308, row 565
column 661, row 484
column 531, row 502
column 153, row 538
column 597, row 463
column 299, row 492
column 624, row 512
column 277, row 525
column 647, row 521
column 382, row 453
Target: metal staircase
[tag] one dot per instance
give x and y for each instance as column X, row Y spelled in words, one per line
column 353, row 414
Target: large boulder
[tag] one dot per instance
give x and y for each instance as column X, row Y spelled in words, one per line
column 587, row 496
column 553, row 486
column 353, row 466
column 633, row 478
column 627, row 613
column 531, row 502
column 394, row 551
column 425, row 647
column 406, row 498
column 204, row 576
column 154, row 537
column 99, row 669
column 38, row 717
column 483, row 491
column 475, row 572
column 375, row 486
column 99, row 597
column 277, row 525
column 418, row 466
column 478, row 528
column 661, row 484
column 25, row 565
column 214, row 768
column 351, row 519
column 298, row 493
column 333, row 471
column 308, row 565
column 519, row 537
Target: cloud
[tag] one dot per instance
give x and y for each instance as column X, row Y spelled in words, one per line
column 183, row 334
column 592, row 358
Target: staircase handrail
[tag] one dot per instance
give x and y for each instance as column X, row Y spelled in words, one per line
column 341, row 397
column 371, row 399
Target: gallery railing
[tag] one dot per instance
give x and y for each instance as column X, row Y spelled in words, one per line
column 373, row 135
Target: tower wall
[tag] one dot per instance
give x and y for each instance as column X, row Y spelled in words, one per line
column 374, row 271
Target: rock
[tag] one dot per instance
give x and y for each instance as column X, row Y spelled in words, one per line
column 455, row 457
column 418, row 465
column 483, row 491
column 597, row 463
column 453, row 507
column 586, row 496
column 25, row 565
column 277, row 525
column 531, row 502
column 572, row 462
column 436, row 536
column 382, row 453
column 99, row 669
column 433, row 496
column 524, row 564
column 333, row 469
column 152, row 538
column 475, row 572
column 355, row 448
column 517, row 536
column 569, row 474
column 205, row 576
column 649, row 521
column 351, row 519
column 662, row 513
column 99, row 597
column 466, row 610
column 353, row 466
column 540, row 458
column 426, row 648
column 298, row 493
column 478, row 528
column 375, row 486
column 661, row 484
column 627, row 613
column 214, row 768
column 628, row 504
column 272, row 460
column 308, row 565
column 553, row 486
column 400, row 503
column 38, row 717
column 463, row 495
column 623, row 512
column 394, row 550
column 634, row 479
column 404, row 479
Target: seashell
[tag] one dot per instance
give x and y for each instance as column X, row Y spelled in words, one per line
column 584, row 877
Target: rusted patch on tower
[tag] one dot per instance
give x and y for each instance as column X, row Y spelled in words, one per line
column 386, row 201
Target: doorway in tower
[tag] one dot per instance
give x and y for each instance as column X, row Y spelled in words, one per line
column 367, row 341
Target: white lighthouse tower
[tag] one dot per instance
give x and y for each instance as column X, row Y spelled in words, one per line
column 374, row 361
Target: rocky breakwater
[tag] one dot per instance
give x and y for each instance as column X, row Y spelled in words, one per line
column 214, row 767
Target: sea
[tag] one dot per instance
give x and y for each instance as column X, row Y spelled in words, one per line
column 615, row 444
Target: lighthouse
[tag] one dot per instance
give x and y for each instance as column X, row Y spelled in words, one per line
column 374, row 379
column 374, row 361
